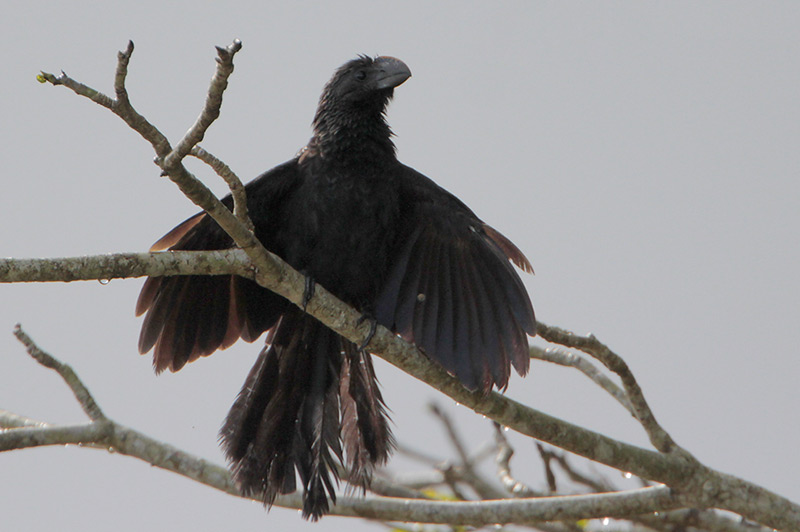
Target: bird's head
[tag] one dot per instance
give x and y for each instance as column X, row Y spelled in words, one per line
column 366, row 80
column 351, row 108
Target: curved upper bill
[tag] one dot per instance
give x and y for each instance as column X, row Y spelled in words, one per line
column 392, row 72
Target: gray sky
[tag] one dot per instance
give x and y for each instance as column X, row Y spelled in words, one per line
column 644, row 156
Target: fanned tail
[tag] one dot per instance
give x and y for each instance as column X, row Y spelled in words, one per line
column 309, row 390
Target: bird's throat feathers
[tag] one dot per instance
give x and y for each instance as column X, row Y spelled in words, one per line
column 353, row 131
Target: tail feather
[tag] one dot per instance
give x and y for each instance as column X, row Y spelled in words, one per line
column 309, row 391
column 319, row 419
column 367, row 438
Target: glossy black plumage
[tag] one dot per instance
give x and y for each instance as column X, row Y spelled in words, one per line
column 382, row 237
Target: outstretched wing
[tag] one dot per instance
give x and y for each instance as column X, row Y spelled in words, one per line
column 193, row 316
column 453, row 290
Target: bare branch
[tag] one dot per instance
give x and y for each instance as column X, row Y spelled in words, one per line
column 129, row 442
column 10, row 420
column 452, row 433
column 121, row 106
column 383, row 486
column 566, row 358
column 467, row 472
column 526, row 511
column 574, row 476
column 123, row 58
column 126, row 265
column 416, row 454
column 695, row 519
column 77, row 87
column 234, row 184
column 211, row 109
column 80, row 391
column 503, row 459
column 106, row 433
column 761, row 504
column 592, row 346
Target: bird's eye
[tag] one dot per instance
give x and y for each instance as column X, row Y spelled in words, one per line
column 361, row 75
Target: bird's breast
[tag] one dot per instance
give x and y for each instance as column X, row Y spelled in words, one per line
column 340, row 227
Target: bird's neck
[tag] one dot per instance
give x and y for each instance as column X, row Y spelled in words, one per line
column 348, row 137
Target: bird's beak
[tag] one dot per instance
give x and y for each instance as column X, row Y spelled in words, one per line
column 392, row 72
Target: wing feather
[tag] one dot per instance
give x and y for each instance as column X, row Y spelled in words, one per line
column 188, row 317
column 454, row 290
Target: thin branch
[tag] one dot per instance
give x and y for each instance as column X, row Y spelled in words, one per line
column 212, row 106
column 573, row 360
column 80, row 391
column 10, row 420
column 234, row 184
column 503, row 459
column 659, row 437
column 124, row 440
column 106, row 433
column 77, row 87
column 466, row 472
column 168, row 159
column 387, row 488
column 705, row 520
column 126, row 265
column 416, row 454
column 694, row 519
column 452, row 433
column 122, row 106
column 524, row 511
column 597, row 486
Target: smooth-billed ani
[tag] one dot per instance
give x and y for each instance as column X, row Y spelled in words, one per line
column 383, row 238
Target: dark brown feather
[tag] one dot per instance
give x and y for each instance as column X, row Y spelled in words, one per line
column 509, row 249
column 175, row 236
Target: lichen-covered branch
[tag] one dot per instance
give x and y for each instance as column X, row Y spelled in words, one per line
column 234, row 184
column 563, row 357
column 80, row 391
column 659, row 437
column 105, row 433
column 125, row 266
column 503, row 463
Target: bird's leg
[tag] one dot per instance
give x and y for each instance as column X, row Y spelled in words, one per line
column 308, row 290
column 373, row 326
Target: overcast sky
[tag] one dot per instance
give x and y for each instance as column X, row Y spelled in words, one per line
column 643, row 155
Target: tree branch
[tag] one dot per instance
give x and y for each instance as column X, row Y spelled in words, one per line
column 80, row 391
column 234, row 184
column 467, row 472
column 502, row 461
column 573, row 360
column 103, row 432
column 659, row 437
column 126, row 265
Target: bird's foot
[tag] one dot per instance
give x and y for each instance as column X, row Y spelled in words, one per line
column 308, row 290
column 373, row 326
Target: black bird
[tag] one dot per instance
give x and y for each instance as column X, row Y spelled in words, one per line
column 383, row 238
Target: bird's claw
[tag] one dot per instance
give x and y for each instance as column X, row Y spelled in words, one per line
column 373, row 327
column 308, row 291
